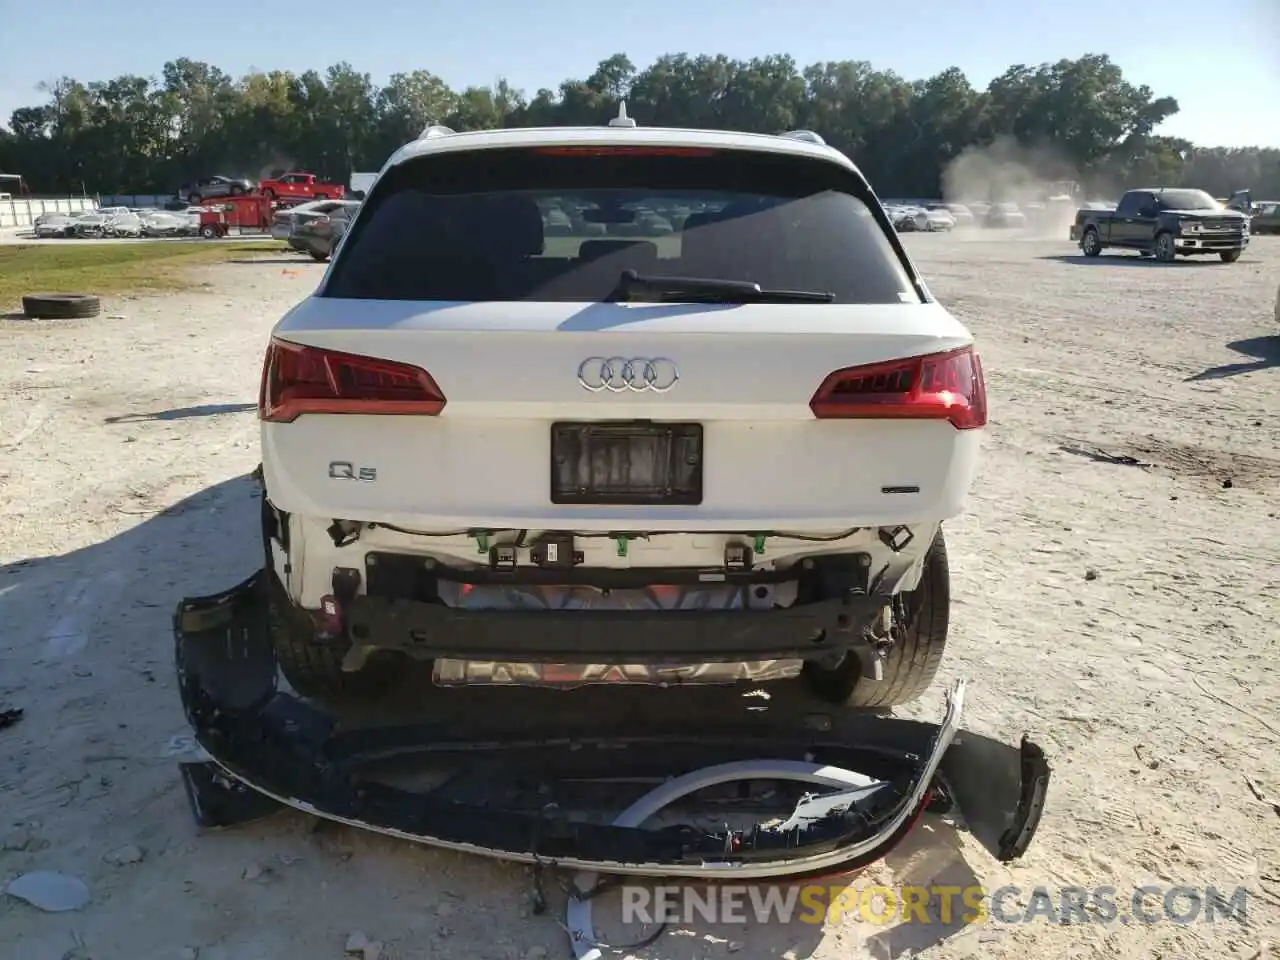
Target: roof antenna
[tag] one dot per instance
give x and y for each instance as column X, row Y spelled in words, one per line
column 622, row 120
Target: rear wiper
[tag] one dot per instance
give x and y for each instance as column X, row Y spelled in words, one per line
column 717, row 290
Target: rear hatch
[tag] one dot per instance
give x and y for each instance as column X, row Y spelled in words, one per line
column 593, row 338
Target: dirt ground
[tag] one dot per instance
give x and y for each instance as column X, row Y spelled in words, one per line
column 1126, row 613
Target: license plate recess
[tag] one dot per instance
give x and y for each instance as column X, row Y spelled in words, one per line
column 626, row 463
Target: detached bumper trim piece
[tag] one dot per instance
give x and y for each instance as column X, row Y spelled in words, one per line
column 292, row 752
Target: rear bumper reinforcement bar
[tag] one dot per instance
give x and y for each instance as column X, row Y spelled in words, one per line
column 504, row 758
column 432, row 630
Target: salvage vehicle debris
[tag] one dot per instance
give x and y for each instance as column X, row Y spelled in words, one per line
column 8, row 717
column 499, row 772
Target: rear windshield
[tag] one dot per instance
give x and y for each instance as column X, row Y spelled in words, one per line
column 1187, row 200
column 564, row 224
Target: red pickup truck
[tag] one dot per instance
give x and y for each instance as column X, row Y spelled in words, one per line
column 300, row 186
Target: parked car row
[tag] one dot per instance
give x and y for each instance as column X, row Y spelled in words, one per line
column 937, row 215
column 118, row 222
column 930, row 217
column 243, row 214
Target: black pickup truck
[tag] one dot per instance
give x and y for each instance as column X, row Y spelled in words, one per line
column 1165, row 224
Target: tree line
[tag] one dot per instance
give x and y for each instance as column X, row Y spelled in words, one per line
column 1074, row 119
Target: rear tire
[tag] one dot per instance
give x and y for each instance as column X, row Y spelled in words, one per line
column 321, row 257
column 912, row 662
column 313, row 666
column 1090, row 245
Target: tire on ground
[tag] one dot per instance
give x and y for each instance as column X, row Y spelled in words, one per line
column 313, row 666
column 912, row 662
column 61, row 306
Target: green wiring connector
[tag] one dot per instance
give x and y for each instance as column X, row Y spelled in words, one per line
column 622, row 542
column 759, row 545
column 482, row 541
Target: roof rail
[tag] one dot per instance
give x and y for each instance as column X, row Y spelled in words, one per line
column 808, row 136
column 622, row 120
column 435, row 130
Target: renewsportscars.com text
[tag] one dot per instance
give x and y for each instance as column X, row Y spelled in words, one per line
column 932, row 904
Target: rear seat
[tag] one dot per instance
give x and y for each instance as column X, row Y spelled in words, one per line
column 640, row 255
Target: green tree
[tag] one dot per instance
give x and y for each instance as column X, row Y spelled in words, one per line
column 1073, row 118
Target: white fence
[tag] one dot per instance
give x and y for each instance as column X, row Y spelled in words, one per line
column 23, row 212
column 136, row 200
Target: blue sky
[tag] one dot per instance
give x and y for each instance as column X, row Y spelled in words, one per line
column 1221, row 59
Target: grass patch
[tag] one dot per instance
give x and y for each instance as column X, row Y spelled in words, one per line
column 107, row 268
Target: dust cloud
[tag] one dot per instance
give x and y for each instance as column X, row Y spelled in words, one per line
column 277, row 165
column 1043, row 184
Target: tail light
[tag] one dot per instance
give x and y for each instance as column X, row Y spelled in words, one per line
column 941, row 386
column 298, row 379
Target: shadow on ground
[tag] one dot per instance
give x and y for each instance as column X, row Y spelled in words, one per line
column 1123, row 260
column 300, row 259
column 184, row 413
column 122, row 592
column 1265, row 350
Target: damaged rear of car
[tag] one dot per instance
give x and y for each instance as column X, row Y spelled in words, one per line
column 610, row 458
column 711, row 455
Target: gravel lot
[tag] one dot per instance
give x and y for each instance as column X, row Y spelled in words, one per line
column 1126, row 614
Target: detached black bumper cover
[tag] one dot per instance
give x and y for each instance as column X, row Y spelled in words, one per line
column 291, row 752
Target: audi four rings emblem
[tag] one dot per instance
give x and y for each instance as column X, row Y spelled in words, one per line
column 620, row 374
